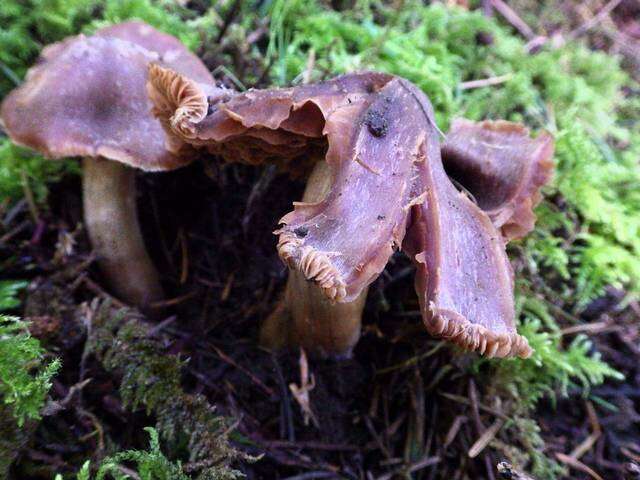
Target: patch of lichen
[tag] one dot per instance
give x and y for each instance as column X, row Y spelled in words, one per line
column 151, row 380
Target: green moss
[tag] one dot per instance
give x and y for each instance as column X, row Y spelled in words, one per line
column 148, row 464
column 25, row 377
column 151, row 381
column 25, row 380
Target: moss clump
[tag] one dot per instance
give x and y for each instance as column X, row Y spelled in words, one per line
column 149, row 464
column 25, row 380
column 151, row 380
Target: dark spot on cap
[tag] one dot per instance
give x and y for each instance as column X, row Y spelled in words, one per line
column 212, row 107
column 484, row 38
column 301, row 232
column 381, row 217
column 377, row 123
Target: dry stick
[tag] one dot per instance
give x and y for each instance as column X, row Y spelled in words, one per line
column 485, row 82
column 311, row 445
column 453, row 430
column 308, row 71
column 484, row 440
column 513, row 18
column 591, row 328
column 588, row 442
column 577, row 32
column 227, row 359
column 28, row 195
column 228, row 20
column 578, row 465
column 510, row 473
column 593, row 21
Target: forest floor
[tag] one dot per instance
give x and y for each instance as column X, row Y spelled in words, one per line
column 405, row 405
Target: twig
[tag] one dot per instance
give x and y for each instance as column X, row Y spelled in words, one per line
column 310, row 445
column 591, row 328
column 513, row 18
column 485, row 82
column 253, row 378
column 578, row 465
column 161, row 326
column 308, row 71
column 509, row 473
column 96, row 423
column 28, row 195
column 465, row 401
column 405, row 470
column 485, row 438
column 13, row 212
column 312, row 476
column 588, row 442
column 184, row 264
column 228, row 20
column 98, row 290
column 453, row 430
column 15, row 231
column 369, row 424
column 174, row 301
column 593, row 21
column 55, row 406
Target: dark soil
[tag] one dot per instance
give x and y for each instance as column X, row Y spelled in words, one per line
column 209, row 227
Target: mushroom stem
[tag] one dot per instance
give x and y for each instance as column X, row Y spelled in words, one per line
column 109, row 196
column 306, row 317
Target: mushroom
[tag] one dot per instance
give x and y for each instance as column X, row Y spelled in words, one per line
column 320, row 311
column 502, row 167
column 498, row 162
column 386, row 180
column 86, row 97
column 306, row 317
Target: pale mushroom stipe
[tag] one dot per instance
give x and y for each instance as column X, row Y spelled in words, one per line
column 387, row 189
column 86, row 98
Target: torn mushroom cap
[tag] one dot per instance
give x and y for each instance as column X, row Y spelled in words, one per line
column 502, row 167
column 385, row 168
column 463, row 280
column 258, row 126
column 87, row 97
column 344, row 241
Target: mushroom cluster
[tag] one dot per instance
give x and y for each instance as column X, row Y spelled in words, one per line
column 130, row 96
column 86, row 97
column 378, row 184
